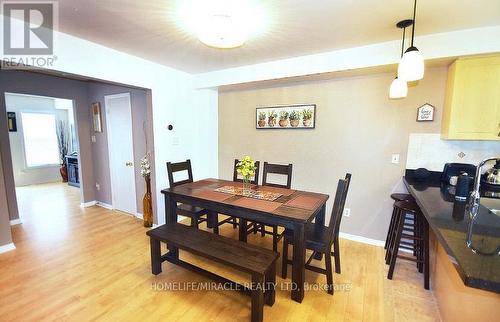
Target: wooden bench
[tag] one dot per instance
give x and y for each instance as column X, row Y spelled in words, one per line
column 260, row 263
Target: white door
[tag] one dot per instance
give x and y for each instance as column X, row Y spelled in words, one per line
column 121, row 152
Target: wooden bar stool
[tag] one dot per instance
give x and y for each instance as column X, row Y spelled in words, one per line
column 396, row 197
column 410, row 232
column 410, row 227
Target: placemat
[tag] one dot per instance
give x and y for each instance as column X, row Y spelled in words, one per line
column 304, row 202
column 210, row 195
column 262, row 205
column 251, row 193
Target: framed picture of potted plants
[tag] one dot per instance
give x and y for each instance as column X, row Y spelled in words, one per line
column 298, row 116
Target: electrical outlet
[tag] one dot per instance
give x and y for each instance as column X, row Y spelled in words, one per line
column 93, row 138
column 395, row 158
column 347, row 212
column 98, row 186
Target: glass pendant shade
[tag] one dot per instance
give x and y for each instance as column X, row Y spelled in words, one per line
column 399, row 88
column 411, row 67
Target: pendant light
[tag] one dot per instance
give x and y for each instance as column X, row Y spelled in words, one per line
column 399, row 88
column 411, row 67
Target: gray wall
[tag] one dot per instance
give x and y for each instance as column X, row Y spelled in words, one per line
column 357, row 130
column 141, row 131
column 5, row 235
column 82, row 93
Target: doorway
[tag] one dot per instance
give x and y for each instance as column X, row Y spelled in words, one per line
column 121, row 152
column 44, row 150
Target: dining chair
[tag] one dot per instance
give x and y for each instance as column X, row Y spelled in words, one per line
column 336, row 246
column 276, row 169
column 321, row 240
column 197, row 214
column 234, row 220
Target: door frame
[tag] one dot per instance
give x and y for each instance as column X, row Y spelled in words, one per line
column 110, row 154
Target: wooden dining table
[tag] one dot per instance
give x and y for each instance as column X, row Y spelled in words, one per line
column 293, row 209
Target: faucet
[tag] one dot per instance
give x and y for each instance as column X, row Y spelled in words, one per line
column 473, row 208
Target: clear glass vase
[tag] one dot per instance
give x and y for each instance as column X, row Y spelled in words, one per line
column 246, row 188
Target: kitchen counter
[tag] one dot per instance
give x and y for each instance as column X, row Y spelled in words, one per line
column 449, row 222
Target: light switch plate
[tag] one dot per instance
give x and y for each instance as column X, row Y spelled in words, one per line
column 395, row 158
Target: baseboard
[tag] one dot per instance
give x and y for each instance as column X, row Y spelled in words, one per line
column 88, row 204
column 14, row 222
column 104, row 205
column 363, row 240
column 139, row 215
column 7, row 248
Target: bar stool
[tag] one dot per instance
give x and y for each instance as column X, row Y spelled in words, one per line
column 409, row 224
column 395, row 197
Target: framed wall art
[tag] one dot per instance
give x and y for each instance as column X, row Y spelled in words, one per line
column 425, row 113
column 299, row 116
column 96, row 117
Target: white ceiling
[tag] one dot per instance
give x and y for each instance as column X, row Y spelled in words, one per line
column 149, row 29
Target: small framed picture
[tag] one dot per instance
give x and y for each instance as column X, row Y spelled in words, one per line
column 11, row 120
column 425, row 113
column 96, row 116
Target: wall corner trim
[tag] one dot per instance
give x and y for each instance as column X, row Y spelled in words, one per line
column 14, row 222
column 88, row 204
column 362, row 239
column 7, row 248
column 104, row 205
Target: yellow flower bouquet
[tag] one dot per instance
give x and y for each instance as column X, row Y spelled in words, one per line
column 246, row 168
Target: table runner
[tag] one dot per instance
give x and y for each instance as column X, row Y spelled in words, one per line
column 250, row 193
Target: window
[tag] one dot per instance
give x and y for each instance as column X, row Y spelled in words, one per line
column 40, row 139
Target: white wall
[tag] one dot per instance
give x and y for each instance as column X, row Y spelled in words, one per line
column 24, row 176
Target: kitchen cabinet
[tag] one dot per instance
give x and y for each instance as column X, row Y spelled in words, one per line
column 472, row 102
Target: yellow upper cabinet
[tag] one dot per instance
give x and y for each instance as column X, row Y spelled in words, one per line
column 472, row 102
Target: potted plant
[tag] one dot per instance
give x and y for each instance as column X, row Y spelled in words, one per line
column 283, row 119
column 294, row 118
column 307, row 116
column 262, row 119
column 62, row 143
column 146, row 201
column 246, row 168
column 271, row 118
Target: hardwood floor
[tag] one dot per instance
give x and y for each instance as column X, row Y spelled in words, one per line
column 76, row 264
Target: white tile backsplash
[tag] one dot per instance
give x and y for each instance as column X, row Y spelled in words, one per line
column 428, row 150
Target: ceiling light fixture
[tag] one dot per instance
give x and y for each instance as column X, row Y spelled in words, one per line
column 222, row 23
column 399, row 87
column 411, row 67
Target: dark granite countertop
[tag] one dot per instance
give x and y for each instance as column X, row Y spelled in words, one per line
column 449, row 221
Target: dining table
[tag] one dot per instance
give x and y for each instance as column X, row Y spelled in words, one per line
column 290, row 208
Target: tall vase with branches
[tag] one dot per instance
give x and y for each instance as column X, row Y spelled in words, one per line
column 146, row 201
column 63, row 143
